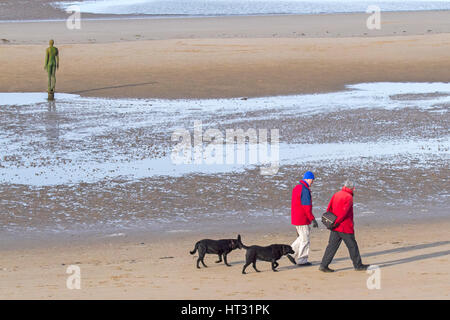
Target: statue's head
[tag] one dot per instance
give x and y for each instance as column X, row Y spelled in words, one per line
column 51, row 42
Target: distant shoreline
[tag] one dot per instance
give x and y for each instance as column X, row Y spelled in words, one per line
column 115, row 17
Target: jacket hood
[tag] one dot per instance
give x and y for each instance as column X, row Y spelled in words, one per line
column 347, row 190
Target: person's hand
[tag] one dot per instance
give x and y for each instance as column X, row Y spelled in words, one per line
column 315, row 224
column 335, row 225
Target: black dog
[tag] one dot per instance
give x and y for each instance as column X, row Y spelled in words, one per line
column 270, row 253
column 219, row 247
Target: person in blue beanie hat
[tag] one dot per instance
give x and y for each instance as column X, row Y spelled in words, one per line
column 308, row 176
column 301, row 218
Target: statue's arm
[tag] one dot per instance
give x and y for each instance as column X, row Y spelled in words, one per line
column 57, row 59
column 46, row 59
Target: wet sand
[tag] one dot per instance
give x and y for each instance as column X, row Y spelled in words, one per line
column 86, row 164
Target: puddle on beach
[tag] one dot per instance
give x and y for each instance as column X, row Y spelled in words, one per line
column 78, row 161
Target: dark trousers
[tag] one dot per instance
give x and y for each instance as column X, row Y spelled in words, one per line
column 333, row 245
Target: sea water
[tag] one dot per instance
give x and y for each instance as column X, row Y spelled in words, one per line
column 247, row 7
column 73, row 137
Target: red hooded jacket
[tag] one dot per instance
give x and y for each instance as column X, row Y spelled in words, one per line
column 301, row 205
column 341, row 204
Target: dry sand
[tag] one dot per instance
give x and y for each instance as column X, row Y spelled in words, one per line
column 228, row 56
column 414, row 260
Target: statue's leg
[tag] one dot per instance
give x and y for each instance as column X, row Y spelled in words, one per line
column 49, row 72
column 53, row 78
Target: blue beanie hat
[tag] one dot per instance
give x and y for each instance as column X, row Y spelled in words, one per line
column 308, row 175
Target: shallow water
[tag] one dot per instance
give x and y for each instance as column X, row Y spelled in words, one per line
column 247, row 7
column 94, row 163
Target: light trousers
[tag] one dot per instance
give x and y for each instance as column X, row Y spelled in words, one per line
column 301, row 244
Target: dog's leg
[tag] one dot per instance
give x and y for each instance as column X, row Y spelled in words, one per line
column 220, row 259
column 201, row 256
column 274, row 266
column 245, row 266
column 291, row 259
column 254, row 266
column 225, row 260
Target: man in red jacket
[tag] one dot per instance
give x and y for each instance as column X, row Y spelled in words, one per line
column 341, row 204
column 301, row 218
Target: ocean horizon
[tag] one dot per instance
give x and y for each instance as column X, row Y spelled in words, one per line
column 246, row 7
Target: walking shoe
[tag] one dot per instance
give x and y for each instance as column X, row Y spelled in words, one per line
column 362, row 267
column 325, row 269
column 291, row 259
column 305, row 264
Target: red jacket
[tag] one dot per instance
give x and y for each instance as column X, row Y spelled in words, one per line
column 301, row 205
column 341, row 204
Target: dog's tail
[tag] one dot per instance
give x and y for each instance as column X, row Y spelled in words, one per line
column 240, row 242
column 195, row 248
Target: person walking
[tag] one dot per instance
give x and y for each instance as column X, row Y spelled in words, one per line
column 341, row 204
column 302, row 218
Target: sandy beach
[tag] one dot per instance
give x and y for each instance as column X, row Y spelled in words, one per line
column 413, row 261
column 401, row 221
column 227, row 56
